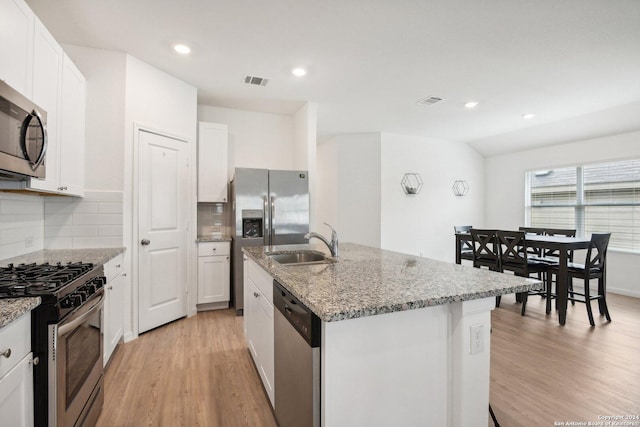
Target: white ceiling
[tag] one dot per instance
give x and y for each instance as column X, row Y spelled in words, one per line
column 574, row 63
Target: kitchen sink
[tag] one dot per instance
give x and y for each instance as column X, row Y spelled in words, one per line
column 300, row 258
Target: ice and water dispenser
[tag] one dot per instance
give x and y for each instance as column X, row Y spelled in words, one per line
column 252, row 223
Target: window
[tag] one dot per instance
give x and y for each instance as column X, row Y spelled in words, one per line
column 602, row 197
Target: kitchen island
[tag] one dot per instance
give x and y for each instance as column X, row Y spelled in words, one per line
column 405, row 340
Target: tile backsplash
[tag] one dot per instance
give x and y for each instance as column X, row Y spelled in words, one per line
column 21, row 224
column 90, row 222
column 213, row 219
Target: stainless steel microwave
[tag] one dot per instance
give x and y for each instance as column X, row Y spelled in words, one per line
column 23, row 135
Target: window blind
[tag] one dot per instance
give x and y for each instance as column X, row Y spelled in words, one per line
column 597, row 198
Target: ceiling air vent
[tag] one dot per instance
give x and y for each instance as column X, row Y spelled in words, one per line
column 258, row 81
column 429, row 100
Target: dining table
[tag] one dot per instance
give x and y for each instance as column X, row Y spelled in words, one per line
column 562, row 245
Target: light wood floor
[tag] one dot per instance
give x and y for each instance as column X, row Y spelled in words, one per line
column 542, row 372
column 192, row 372
column 197, row 371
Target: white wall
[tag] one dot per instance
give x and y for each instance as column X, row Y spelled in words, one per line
column 256, row 140
column 21, row 224
column 305, row 130
column 158, row 101
column 104, row 150
column 348, row 188
column 422, row 224
column 359, row 190
column 505, row 192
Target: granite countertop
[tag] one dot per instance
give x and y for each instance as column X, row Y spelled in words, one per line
column 367, row 281
column 14, row 308
column 95, row 256
column 213, row 239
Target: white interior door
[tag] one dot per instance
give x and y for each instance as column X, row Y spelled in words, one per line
column 162, row 229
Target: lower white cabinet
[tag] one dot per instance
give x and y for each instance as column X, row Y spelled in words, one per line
column 16, row 373
column 113, row 313
column 258, row 322
column 213, row 274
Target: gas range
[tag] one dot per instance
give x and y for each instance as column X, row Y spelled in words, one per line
column 66, row 338
column 67, row 286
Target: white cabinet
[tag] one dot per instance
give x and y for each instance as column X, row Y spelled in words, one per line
column 16, row 373
column 213, row 274
column 47, row 85
column 55, row 84
column 212, row 162
column 258, row 322
column 72, row 129
column 16, row 45
column 113, row 313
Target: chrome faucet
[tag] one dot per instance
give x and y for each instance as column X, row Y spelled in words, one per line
column 332, row 245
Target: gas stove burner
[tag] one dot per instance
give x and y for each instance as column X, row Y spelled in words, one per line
column 39, row 279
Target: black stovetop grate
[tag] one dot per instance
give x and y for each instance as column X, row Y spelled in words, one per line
column 38, row 279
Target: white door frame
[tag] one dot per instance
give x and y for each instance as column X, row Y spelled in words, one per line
column 131, row 212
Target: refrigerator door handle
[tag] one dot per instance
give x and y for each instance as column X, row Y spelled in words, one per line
column 267, row 221
column 272, row 216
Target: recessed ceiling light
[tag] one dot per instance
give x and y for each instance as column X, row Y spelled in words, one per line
column 528, row 116
column 182, row 49
column 471, row 104
column 299, row 72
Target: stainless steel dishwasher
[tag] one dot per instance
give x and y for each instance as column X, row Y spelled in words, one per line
column 297, row 361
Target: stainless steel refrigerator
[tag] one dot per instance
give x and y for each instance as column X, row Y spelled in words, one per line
column 270, row 207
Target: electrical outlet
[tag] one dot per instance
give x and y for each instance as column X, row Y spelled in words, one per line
column 28, row 241
column 477, row 339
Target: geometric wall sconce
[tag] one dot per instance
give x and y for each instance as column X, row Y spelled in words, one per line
column 411, row 183
column 460, row 188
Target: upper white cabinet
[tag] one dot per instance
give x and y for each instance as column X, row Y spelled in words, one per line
column 35, row 64
column 72, row 129
column 47, row 85
column 16, row 45
column 212, row 162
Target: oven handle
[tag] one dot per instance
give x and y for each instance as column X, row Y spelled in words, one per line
column 81, row 316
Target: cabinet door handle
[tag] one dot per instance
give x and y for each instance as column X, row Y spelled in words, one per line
column 255, row 294
column 145, row 242
column 6, row 353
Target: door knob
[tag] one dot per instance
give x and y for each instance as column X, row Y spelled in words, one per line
column 145, row 242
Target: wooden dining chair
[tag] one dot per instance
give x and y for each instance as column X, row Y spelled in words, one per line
column 552, row 257
column 485, row 251
column 466, row 246
column 514, row 257
column 538, row 232
column 594, row 267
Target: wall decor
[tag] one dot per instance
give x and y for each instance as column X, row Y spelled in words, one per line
column 460, row 188
column 411, row 183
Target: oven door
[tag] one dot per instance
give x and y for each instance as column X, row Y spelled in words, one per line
column 75, row 363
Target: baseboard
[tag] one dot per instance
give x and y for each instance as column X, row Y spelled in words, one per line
column 625, row 292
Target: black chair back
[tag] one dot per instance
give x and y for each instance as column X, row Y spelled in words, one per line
column 511, row 246
column 466, row 247
column 597, row 253
column 462, row 228
column 558, row 232
column 532, row 230
column 485, row 249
